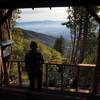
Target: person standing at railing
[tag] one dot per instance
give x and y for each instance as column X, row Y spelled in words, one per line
column 33, row 65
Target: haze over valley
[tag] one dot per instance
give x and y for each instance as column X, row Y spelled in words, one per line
column 48, row 27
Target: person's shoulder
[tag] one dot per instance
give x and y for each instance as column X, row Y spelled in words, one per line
column 38, row 52
column 28, row 53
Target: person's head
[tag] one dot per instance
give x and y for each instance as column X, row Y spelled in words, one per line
column 33, row 45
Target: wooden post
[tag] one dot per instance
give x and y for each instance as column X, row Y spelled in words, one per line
column 62, row 79
column 19, row 72
column 97, row 69
column 78, row 74
column 46, row 75
column 6, row 77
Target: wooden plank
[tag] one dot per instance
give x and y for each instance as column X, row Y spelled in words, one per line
column 22, row 94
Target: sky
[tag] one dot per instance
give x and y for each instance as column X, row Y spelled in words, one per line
column 43, row 14
column 54, row 17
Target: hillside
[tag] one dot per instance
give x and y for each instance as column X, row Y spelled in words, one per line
column 21, row 46
column 45, row 39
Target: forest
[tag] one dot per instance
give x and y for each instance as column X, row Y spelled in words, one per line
column 82, row 47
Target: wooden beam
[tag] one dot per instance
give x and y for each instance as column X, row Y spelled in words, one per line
column 7, row 15
column 97, row 69
column 46, row 3
column 92, row 13
column 3, row 1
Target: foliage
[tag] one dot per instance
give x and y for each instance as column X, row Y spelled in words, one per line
column 87, row 77
column 90, row 59
column 15, row 16
column 21, row 47
column 92, row 47
column 83, row 33
column 60, row 44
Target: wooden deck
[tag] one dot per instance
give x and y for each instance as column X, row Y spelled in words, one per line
column 23, row 93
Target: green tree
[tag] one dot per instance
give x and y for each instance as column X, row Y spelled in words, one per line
column 81, row 25
column 60, row 44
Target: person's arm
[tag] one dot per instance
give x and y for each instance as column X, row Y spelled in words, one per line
column 41, row 58
column 26, row 63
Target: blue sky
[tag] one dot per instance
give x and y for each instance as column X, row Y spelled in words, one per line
column 43, row 14
column 54, row 17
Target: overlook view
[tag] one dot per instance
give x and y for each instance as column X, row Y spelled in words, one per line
column 51, row 24
column 50, row 50
column 44, row 25
column 58, row 40
column 48, row 27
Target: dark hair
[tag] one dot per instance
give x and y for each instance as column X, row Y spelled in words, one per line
column 33, row 45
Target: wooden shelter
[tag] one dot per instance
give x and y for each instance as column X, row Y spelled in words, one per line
column 11, row 5
column 5, row 43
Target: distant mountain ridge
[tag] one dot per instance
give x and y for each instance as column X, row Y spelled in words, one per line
column 41, row 21
column 48, row 27
column 46, row 39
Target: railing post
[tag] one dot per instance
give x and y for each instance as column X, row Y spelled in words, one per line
column 94, row 82
column 78, row 73
column 19, row 72
column 61, row 67
column 1, row 78
column 46, row 75
column 97, row 68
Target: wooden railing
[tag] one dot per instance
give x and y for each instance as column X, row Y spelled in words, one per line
column 60, row 70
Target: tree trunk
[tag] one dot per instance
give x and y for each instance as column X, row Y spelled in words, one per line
column 79, row 38
column 84, row 40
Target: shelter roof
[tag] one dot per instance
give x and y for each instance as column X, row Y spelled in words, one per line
column 46, row 3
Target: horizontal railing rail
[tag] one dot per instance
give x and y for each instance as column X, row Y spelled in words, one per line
column 61, row 70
